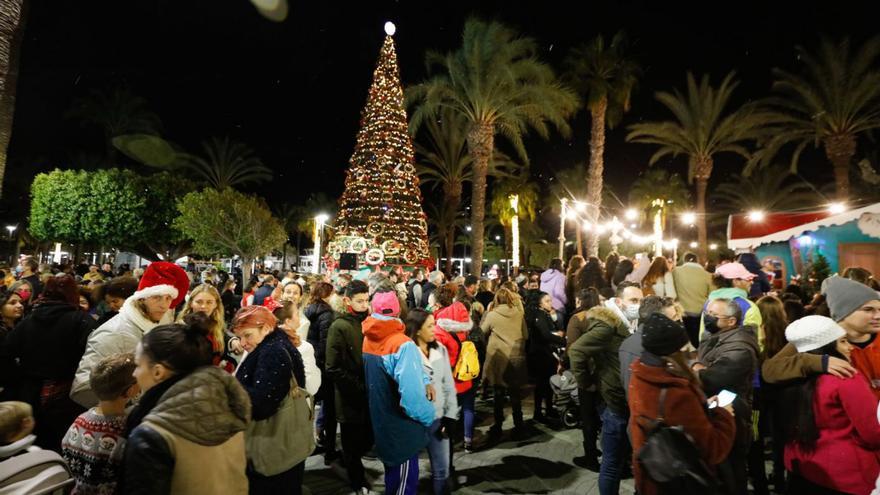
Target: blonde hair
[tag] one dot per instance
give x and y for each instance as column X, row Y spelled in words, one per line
column 218, row 324
column 12, row 415
column 505, row 296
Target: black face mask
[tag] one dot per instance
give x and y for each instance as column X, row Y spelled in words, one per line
column 710, row 323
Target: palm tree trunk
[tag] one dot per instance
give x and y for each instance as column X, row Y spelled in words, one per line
column 577, row 233
column 453, row 201
column 840, row 149
column 594, row 176
column 12, row 21
column 480, row 143
column 703, row 172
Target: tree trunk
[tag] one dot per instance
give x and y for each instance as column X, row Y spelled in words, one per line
column 452, row 201
column 246, row 270
column 298, row 246
column 594, row 177
column 580, row 249
column 480, row 144
column 13, row 14
column 703, row 172
column 840, row 149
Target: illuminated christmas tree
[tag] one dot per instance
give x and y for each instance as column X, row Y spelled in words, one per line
column 380, row 216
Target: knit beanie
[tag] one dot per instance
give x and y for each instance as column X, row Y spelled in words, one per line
column 812, row 332
column 662, row 336
column 844, row 296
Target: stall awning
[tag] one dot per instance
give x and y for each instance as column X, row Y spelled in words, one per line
column 743, row 233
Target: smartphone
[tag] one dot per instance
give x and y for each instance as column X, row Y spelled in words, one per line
column 725, row 397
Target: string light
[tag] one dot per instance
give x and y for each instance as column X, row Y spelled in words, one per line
column 836, row 208
column 756, row 216
column 693, row 245
column 713, row 246
column 580, row 206
column 631, row 214
column 689, row 218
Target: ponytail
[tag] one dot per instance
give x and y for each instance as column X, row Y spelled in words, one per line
column 181, row 347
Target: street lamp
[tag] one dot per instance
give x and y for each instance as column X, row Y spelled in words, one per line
column 11, row 229
column 689, row 218
column 562, row 216
column 514, row 227
column 320, row 220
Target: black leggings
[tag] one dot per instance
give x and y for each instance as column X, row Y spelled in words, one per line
column 543, row 392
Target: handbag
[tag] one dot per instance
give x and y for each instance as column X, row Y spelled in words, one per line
column 280, row 442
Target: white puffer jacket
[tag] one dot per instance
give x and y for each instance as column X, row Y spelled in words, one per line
column 119, row 334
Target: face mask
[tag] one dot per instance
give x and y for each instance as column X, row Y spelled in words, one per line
column 24, row 294
column 632, row 312
column 710, row 323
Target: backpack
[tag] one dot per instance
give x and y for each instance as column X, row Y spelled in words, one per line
column 467, row 366
column 670, row 458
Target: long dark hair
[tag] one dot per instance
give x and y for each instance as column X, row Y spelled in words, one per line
column 611, row 262
column 320, row 291
column 798, row 405
column 60, row 289
column 588, row 298
column 624, row 268
column 415, row 318
column 591, row 275
column 555, row 264
column 181, row 347
column 774, row 320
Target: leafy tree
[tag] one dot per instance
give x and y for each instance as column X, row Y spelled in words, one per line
column 500, row 206
column 230, row 223
column 703, row 127
column 832, row 102
column 497, row 83
column 605, row 76
column 110, row 207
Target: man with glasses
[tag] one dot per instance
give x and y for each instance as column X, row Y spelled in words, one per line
column 727, row 360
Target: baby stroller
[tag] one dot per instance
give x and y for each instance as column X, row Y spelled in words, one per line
column 41, row 472
column 565, row 398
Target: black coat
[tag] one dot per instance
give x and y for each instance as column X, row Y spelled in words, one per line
column 345, row 366
column 320, row 317
column 542, row 341
column 265, row 373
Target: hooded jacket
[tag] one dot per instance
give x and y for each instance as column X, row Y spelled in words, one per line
column 553, row 283
column 400, row 411
column 600, row 344
column 446, row 325
column 712, row 431
column 121, row 334
column 192, row 441
column 345, row 365
column 320, row 316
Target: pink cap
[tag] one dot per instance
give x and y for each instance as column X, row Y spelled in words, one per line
column 734, row 270
column 386, row 304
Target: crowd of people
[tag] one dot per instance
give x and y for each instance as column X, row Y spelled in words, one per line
column 162, row 379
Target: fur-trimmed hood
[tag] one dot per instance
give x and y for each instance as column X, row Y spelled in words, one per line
column 610, row 318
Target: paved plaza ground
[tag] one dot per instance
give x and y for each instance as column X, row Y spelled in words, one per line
column 539, row 464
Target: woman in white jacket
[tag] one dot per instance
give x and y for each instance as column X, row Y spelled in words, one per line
column 289, row 320
column 658, row 281
column 162, row 287
column 420, row 328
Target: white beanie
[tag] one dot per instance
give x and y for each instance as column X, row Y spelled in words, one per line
column 812, row 332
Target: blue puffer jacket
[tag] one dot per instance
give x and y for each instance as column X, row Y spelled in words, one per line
column 399, row 408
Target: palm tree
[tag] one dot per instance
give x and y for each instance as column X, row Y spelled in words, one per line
column 606, row 77
column 835, row 99
column 497, row 83
column 659, row 184
column 772, row 188
column 444, row 162
column 118, row 112
column 445, row 222
column 228, row 163
column 703, row 127
column 13, row 14
column 528, row 192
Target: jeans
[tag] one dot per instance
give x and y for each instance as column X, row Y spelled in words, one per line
column 590, row 422
column 515, row 402
column 288, row 482
column 357, row 438
column 439, row 453
column 403, row 479
column 466, row 401
column 614, row 450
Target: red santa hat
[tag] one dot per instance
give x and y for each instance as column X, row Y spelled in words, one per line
column 163, row 278
column 454, row 318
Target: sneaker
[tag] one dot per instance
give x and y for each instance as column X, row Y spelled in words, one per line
column 468, row 447
column 589, row 463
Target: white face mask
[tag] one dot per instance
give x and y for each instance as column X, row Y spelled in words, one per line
column 632, row 312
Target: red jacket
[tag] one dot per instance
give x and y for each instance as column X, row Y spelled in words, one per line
column 846, row 455
column 448, row 341
column 867, row 361
column 713, row 431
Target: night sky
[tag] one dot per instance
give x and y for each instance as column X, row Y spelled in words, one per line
column 294, row 91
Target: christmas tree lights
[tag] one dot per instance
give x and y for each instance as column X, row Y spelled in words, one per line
column 380, row 216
